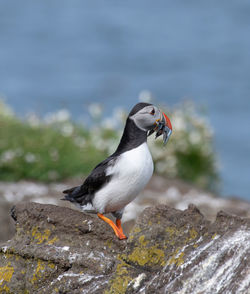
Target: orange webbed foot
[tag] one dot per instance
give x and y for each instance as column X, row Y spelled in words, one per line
column 116, row 227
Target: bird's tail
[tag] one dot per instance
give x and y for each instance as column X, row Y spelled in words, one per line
column 78, row 196
column 71, row 193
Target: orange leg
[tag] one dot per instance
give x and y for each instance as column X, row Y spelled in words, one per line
column 119, row 225
column 118, row 233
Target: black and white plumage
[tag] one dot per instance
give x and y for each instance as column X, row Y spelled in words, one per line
column 118, row 179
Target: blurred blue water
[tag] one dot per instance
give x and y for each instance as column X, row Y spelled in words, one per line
column 56, row 54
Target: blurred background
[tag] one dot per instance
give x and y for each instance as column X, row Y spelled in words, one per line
column 70, row 71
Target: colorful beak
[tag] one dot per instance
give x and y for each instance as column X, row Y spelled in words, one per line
column 167, row 121
column 166, row 129
column 163, row 126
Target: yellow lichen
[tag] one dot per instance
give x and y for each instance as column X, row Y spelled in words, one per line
column 173, row 234
column 108, row 243
column 214, row 235
column 40, row 269
column 38, row 272
column 122, row 268
column 135, row 230
column 119, row 284
column 40, row 237
column 6, row 273
column 142, row 241
column 171, row 231
column 193, row 234
column 143, row 254
column 177, row 258
column 147, row 256
column 51, row 265
column 5, row 288
column 52, row 241
column 131, row 237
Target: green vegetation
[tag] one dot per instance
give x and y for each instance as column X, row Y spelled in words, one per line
column 44, row 151
column 190, row 153
column 56, row 148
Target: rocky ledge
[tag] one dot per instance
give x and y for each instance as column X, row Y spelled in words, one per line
column 60, row 250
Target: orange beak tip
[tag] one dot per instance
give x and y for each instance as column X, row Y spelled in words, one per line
column 168, row 122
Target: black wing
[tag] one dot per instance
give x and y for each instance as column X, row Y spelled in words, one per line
column 95, row 181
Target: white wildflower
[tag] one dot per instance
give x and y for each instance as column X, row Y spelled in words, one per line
column 67, row 129
column 195, row 137
column 95, row 110
column 109, row 123
column 33, row 120
column 62, row 115
column 119, row 115
column 179, row 123
column 30, row 157
column 8, row 156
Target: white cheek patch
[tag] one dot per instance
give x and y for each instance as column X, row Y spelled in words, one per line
column 139, row 122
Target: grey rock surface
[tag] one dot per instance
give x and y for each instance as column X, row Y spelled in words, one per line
column 174, row 193
column 60, row 250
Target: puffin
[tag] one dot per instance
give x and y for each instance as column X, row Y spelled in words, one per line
column 118, row 179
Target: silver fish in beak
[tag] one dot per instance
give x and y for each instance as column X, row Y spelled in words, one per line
column 163, row 127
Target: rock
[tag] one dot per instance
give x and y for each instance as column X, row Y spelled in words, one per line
column 60, row 250
column 175, row 193
column 179, row 195
column 7, row 227
column 14, row 192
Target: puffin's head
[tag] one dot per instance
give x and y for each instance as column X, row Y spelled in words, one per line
column 149, row 117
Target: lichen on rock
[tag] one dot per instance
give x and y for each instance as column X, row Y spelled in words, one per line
column 60, row 250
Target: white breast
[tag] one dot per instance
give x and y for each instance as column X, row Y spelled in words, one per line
column 130, row 174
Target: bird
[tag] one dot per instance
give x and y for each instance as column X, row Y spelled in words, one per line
column 118, row 179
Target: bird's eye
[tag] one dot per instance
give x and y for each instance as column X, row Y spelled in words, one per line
column 152, row 111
